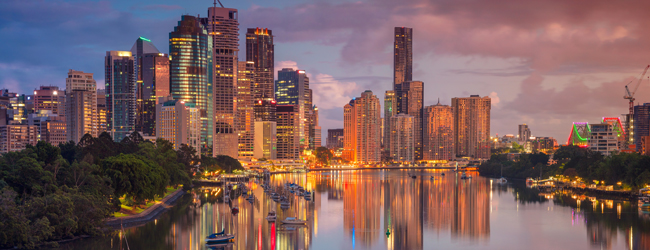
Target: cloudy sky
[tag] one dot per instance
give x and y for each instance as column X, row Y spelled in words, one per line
column 544, row 63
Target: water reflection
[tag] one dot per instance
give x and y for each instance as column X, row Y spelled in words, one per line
column 389, row 210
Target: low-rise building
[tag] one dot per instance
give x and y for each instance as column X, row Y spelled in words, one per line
column 603, row 139
column 17, row 137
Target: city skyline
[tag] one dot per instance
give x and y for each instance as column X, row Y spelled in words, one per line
column 520, row 75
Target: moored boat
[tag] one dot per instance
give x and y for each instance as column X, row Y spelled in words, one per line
column 293, row 220
column 272, row 216
column 217, row 238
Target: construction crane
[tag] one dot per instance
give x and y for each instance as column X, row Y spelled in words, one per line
column 630, row 96
column 630, row 116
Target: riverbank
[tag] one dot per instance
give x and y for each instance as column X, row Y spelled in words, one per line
column 147, row 215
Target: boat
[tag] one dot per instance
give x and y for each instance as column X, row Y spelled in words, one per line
column 307, row 198
column 644, row 198
column 285, row 203
column 271, row 217
column 443, row 174
column 293, row 220
column 217, row 238
column 431, row 177
column 218, row 246
column 502, row 180
column 465, row 176
column 307, row 193
column 235, row 210
column 250, row 197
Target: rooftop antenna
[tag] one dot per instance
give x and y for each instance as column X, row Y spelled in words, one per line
column 215, row 3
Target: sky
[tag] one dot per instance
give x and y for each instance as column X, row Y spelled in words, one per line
column 543, row 63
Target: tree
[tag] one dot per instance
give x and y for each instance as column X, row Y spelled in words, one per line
column 323, row 155
column 137, row 178
column 187, row 156
column 228, row 163
column 163, row 154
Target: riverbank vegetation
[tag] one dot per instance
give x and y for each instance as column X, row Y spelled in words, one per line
column 49, row 193
column 631, row 170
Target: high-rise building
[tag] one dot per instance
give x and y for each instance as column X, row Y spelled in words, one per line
column 190, row 73
column 291, row 89
column 314, row 129
column 179, row 122
column 265, row 140
column 50, row 98
column 245, row 124
column 81, row 105
column 265, row 109
column 361, row 118
column 403, row 56
column 524, row 133
column 410, row 100
column 223, row 27
column 390, row 109
column 603, row 139
column 17, row 137
column 259, row 50
column 153, row 85
column 335, row 138
column 402, row 147
column 288, row 140
column 102, row 121
column 641, row 125
column 18, row 110
column 51, row 127
column 120, row 93
column 438, row 132
column 472, row 126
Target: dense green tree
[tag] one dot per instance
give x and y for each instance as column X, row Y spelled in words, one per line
column 323, row 155
column 228, row 163
column 163, row 154
column 135, row 176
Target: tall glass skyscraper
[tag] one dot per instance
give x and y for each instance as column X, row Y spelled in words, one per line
column 291, row 88
column 223, row 27
column 152, row 71
column 259, row 50
column 403, row 55
column 120, row 93
column 191, row 71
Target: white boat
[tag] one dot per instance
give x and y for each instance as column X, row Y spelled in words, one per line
column 502, row 180
column 271, row 217
column 293, row 220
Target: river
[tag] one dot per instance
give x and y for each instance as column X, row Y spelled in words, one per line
column 356, row 209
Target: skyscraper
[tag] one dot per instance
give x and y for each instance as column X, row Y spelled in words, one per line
column 472, row 126
column 410, row 100
column 402, row 147
column 154, row 84
column 288, row 140
column 335, row 138
column 191, row 72
column 641, row 125
column 291, row 88
column 314, row 129
column 50, row 98
column 524, row 133
column 259, row 50
column 265, row 140
column 178, row 122
column 222, row 25
column 245, row 123
column 390, row 109
column 265, row 109
column 81, row 105
column 438, row 133
column 403, row 55
column 120, row 93
column 362, row 129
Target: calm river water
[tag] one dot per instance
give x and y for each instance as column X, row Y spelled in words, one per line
column 355, row 209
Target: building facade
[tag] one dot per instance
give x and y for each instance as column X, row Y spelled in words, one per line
column 155, row 84
column 291, row 88
column 17, row 137
column 402, row 148
column 50, row 98
column 265, row 143
column 178, row 122
column 438, row 133
column 120, row 93
column 410, row 100
column 51, row 127
column 191, row 75
column 641, row 125
column 245, row 123
column 472, row 126
column 603, row 139
column 361, row 120
column 524, row 133
column 223, row 27
column 288, row 132
column 390, row 109
column 335, row 138
column 81, row 105
column 260, row 51
column 403, row 56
